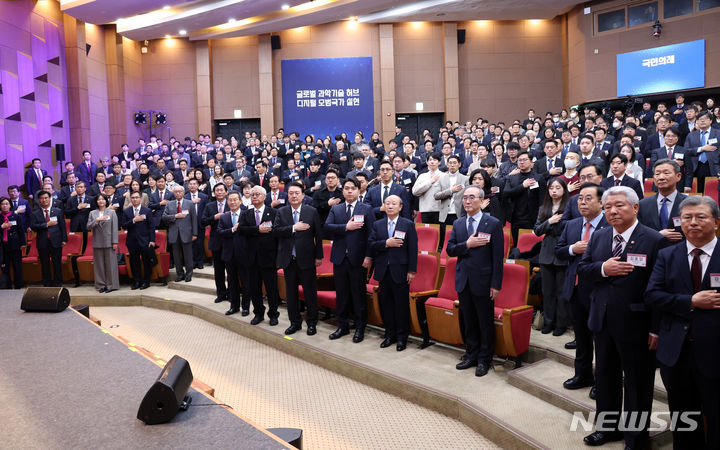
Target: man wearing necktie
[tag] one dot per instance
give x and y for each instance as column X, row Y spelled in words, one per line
column 683, row 289
column 20, row 206
column 140, row 241
column 233, row 250
column 211, row 217
column 51, row 236
column 182, row 223
column 617, row 263
column 703, row 142
column 661, row 212
column 349, row 225
column 199, row 201
column 34, row 177
column 78, row 208
column 87, row 169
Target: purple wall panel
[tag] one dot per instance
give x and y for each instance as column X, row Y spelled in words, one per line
column 55, row 101
column 25, row 74
column 2, row 141
column 52, row 40
column 11, row 99
column 39, row 56
column 42, row 122
column 16, row 164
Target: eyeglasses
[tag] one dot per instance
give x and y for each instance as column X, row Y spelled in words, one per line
column 469, row 198
column 587, row 177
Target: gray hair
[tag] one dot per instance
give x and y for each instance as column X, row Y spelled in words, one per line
column 482, row 192
column 697, row 200
column 629, row 194
column 363, row 146
column 259, row 189
column 178, row 186
column 672, row 162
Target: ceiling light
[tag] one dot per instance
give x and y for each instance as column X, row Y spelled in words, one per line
column 182, row 32
column 312, row 4
column 167, row 36
column 232, row 20
column 403, row 10
column 285, row 6
column 160, row 16
column 166, row 7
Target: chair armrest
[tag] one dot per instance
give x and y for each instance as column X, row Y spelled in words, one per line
column 517, row 309
column 325, row 275
column 417, row 295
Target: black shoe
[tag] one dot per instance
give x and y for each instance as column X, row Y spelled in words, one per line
column 546, row 329
column 311, row 331
column 231, row 311
column 359, row 335
column 593, row 393
column 466, row 364
column 340, row 332
column 256, row 320
column 245, row 312
column 387, row 342
column 293, row 328
column 572, row 345
column 401, row 346
column 602, row 437
column 578, row 382
column 559, row 331
column 135, row 285
column 107, row 291
column 219, row 299
column 482, row 369
column 273, row 322
column 179, row 278
column 144, row 286
column 102, row 290
column 188, row 278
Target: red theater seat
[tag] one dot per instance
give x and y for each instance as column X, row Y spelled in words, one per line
column 513, row 316
column 428, row 237
column 648, row 185
column 443, row 253
column 85, row 262
column 424, row 285
column 373, row 299
column 443, row 310
column 711, row 188
column 527, row 239
column 507, row 242
column 162, row 269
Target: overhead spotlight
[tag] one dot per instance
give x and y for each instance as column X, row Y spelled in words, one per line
column 657, row 29
column 285, row 6
column 182, row 32
column 231, row 20
column 167, row 36
column 140, row 118
column 166, row 7
column 160, row 118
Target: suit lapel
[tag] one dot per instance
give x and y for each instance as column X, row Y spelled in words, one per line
column 635, row 240
column 681, row 263
column 655, row 216
column 713, row 267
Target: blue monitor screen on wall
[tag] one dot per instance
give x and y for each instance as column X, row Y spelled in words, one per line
column 328, row 96
column 661, row 69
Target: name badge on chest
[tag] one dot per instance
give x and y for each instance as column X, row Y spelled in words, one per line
column 399, row 234
column 676, row 222
column 483, row 235
column 715, row 280
column 358, row 218
column 637, row 260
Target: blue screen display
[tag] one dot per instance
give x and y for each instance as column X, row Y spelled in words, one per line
column 328, row 96
column 661, row 69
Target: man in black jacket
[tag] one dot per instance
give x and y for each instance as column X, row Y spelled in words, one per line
column 49, row 224
column 211, row 216
column 138, row 222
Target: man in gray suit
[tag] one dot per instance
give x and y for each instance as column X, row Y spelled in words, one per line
column 182, row 226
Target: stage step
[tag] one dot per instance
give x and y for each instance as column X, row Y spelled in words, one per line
column 199, row 285
column 206, row 272
column 544, row 380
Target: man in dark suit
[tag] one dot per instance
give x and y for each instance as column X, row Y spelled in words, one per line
column 681, row 156
column 342, row 158
column 256, row 224
column 87, row 169
column 617, row 263
column 349, row 225
column 20, row 206
column 526, row 191
column 211, row 217
column 34, row 177
column 570, row 247
column 199, row 201
column 550, row 165
column 477, row 242
column 297, row 227
column 275, row 198
column 683, row 288
column 376, row 195
column 181, row 219
column 393, row 245
column 137, row 220
column 99, row 186
column 618, row 167
column 657, row 139
column 588, row 174
column 703, row 142
column 587, row 153
column 78, row 207
column 158, row 200
column 233, row 251
column 49, row 224
column 661, row 212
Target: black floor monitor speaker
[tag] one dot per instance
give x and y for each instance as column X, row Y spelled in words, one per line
column 45, row 299
column 60, row 152
column 167, row 395
column 293, row 436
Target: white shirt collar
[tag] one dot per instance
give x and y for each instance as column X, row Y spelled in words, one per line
column 627, row 233
column 261, row 209
column 707, row 248
column 671, row 198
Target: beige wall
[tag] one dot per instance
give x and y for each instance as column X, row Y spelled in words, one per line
column 97, row 91
column 235, row 77
column 168, row 74
column 592, row 76
column 133, row 79
column 507, row 67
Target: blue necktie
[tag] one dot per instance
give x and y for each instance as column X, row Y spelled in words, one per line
column 234, row 219
column 470, row 227
column 295, row 220
column 663, row 213
column 391, row 228
column 703, row 143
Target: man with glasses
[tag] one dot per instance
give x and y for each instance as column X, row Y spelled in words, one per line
column 588, row 174
column 703, row 141
column 526, row 191
column 377, row 195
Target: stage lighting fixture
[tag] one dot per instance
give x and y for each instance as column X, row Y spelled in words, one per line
column 140, row 118
column 657, row 29
column 160, row 118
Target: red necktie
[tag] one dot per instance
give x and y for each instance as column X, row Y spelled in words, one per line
column 670, row 152
column 696, row 269
column 274, row 196
column 47, row 215
column 617, row 182
column 39, row 174
column 261, row 179
column 179, row 207
column 585, row 237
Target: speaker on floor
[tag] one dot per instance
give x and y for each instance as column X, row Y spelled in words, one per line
column 461, row 36
column 60, row 152
column 45, row 299
column 167, row 395
column 275, row 42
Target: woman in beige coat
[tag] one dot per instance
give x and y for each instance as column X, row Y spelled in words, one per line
column 104, row 226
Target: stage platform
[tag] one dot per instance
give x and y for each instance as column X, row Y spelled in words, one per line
column 64, row 383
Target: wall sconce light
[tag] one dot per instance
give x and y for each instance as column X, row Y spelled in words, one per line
column 657, row 29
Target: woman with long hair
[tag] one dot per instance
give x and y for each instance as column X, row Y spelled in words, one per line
column 552, row 269
column 135, row 187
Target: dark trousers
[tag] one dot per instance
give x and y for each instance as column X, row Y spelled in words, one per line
column 702, row 170
column 477, row 313
column 395, row 307
column 350, row 294
column 625, row 369
column 136, row 254
column 295, row 276
column 12, row 258
column 219, row 269
column 233, row 281
column 689, row 391
column 449, row 220
column 182, row 254
column 430, row 217
column 583, row 337
column 257, row 277
column 199, row 248
column 45, row 254
column 555, row 311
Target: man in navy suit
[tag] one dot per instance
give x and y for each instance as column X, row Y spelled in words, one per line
column 703, row 142
column 157, row 201
column 297, row 227
column 617, row 263
column 211, row 216
column 34, row 178
column 200, row 200
column 588, row 174
column 394, row 247
column 683, row 288
column 349, row 225
column 477, row 242
column 20, row 206
column 137, row 220
column 550, row 165
column 681, row 156
column 377, row 194
column 570, row 247
column 233, row 250
column 661, row 212
column 86, row 169
column 256, row 224
column 49, row 224
column 275, row 198
column 618, row 167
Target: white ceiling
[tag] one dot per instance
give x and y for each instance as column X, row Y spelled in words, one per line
column 208, row 19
